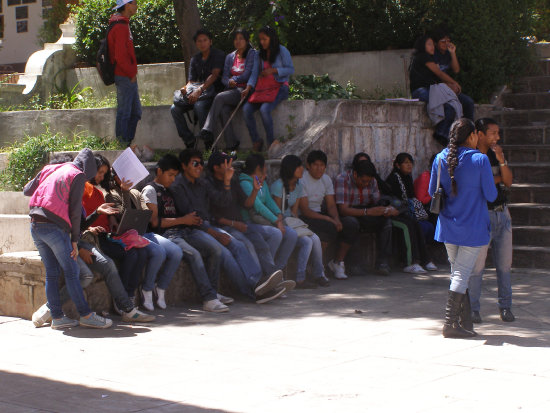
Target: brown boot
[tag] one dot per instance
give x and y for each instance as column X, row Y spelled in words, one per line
column 451, row 328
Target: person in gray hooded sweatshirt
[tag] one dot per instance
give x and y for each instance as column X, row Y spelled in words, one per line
column 55, row 211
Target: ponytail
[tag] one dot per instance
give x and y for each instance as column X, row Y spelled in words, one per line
column 460, row 132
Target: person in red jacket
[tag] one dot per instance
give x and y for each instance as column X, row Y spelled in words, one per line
column 122, row 55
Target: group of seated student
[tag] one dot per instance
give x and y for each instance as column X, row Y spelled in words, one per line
column 433, row 64
column 217, row 84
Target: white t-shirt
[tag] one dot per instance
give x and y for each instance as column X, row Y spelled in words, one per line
column 149, row 195
column 316, row 190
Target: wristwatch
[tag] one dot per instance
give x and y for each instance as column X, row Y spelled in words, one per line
column 505, row 163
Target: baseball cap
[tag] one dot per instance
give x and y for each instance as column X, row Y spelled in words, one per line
column 120, row 3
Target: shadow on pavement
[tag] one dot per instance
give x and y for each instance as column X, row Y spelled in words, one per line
column 23, row 393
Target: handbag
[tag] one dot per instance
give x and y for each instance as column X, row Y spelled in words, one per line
column 437, row 203
column 296, row 224
column 267, row 89
column 416, row 209
column 181, row 100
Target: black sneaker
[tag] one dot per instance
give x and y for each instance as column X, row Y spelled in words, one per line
column 322, row 281
column 476, row 317
column 270, row 295
column 506, row 315
column 190, row 144
column 269, row 283
column 208, row 139
column 306, row 285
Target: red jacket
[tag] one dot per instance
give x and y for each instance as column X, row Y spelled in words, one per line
column 121, row 47
column 421, row 185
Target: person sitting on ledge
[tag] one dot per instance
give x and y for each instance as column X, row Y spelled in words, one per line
column 357, row 196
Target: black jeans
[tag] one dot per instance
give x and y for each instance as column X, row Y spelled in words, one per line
column 326, row 231
column 418, row 242
column 382, row 227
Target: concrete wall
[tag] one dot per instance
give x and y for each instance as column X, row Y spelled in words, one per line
column 384, row 70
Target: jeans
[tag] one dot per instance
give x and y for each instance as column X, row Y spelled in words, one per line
column 381, row 226
column 239, row 266
column 54, row 246
column 286, row 245
column 105, row 266
column 265, row 112
column 462, row 261
column 309, row 246
column 170, row 254
column 191, row 241
column 224, row 104
column 128, row 111
column 201, row 108
column 501, row 244
column 131, row 263
column 86, row 276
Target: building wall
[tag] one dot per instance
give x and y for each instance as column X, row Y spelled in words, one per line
column 21, row 21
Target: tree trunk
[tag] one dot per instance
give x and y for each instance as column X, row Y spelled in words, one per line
column 188, row 20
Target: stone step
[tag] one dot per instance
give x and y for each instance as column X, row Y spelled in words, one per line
column 544, row 65
column 536, row 100
column 530, row 214
column 527, row 153
column 532, row 84
column 522, row 117
column 536, row 236
column 15, row 234
column 525, row 135
column 531, row 257
column 528, row 172
column 530, row 193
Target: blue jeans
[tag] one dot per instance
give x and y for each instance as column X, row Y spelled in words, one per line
column 309, row 247
column 191, row 241
column 501, row 244
column 105, row 266
column 265, row 112
column 161, row 250
column 201, row 108
column 240, row 266
column 86, row 276
column 54, row 246
column 128, row 111
column 462, row 261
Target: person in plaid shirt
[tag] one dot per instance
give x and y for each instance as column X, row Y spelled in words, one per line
column 357, row 195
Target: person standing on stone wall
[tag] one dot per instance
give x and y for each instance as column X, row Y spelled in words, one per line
column 501, row 225
column 122, row 55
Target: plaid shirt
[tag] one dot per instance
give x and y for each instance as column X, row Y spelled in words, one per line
column 346, row 191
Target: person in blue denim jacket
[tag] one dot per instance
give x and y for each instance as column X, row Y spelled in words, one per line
column 274, row 60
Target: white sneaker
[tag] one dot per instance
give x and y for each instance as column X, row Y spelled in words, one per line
column 159, row 292
column 338, row 270
column 136, row 316
column 215, row 306
column 415, row 269
column 225, row 300
column 431, row 266
column 42, row 316
column 147, row 300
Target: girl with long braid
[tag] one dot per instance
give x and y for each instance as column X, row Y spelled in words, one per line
column 463, row 223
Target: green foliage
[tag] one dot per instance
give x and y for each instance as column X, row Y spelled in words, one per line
column 318, row 88
column 28, row 157
column 156, row 36
column 541, row 22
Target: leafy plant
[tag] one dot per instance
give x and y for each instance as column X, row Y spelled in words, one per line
column 318, row 88
column 26, row 158
column 154, row 29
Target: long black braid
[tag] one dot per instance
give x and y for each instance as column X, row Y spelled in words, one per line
column 460, row 132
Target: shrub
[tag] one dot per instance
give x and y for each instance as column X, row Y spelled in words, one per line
column 26, row 158
column 318, row 88
column 156, row 36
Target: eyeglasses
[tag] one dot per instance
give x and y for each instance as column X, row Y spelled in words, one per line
column 197, row 163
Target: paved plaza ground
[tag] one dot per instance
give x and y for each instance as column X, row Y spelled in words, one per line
column 368, row 344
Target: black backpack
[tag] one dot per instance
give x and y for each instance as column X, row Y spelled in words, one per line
column 104, row 66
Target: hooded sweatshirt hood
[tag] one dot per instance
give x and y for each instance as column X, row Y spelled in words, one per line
column 85, row 161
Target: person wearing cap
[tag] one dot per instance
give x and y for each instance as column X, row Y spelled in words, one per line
column 122, row 55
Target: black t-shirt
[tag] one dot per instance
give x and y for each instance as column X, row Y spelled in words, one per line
column 443, row 60
column 502, row 190
column 200, row 69
column 231, row 210
column 420, row 75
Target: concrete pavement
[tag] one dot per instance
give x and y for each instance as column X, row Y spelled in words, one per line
column 368, row 344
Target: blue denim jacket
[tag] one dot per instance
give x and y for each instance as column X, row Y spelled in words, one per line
column 283, row 64
column 250, row 66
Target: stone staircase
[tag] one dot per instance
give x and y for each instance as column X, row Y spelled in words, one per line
column 525, row 134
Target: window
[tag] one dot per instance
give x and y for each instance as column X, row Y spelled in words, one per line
column 13, row 2
column 22, row 12
column 22, row 26
column 29, row 1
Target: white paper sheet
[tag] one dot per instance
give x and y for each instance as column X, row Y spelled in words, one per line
column 127, row 166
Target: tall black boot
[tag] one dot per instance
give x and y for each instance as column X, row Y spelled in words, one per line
column 465, row 315
column 451, row 328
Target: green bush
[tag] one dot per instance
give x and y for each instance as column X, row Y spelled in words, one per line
column 26, row 158
column 541, row 23
column 156, row 36
column 318, row 88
